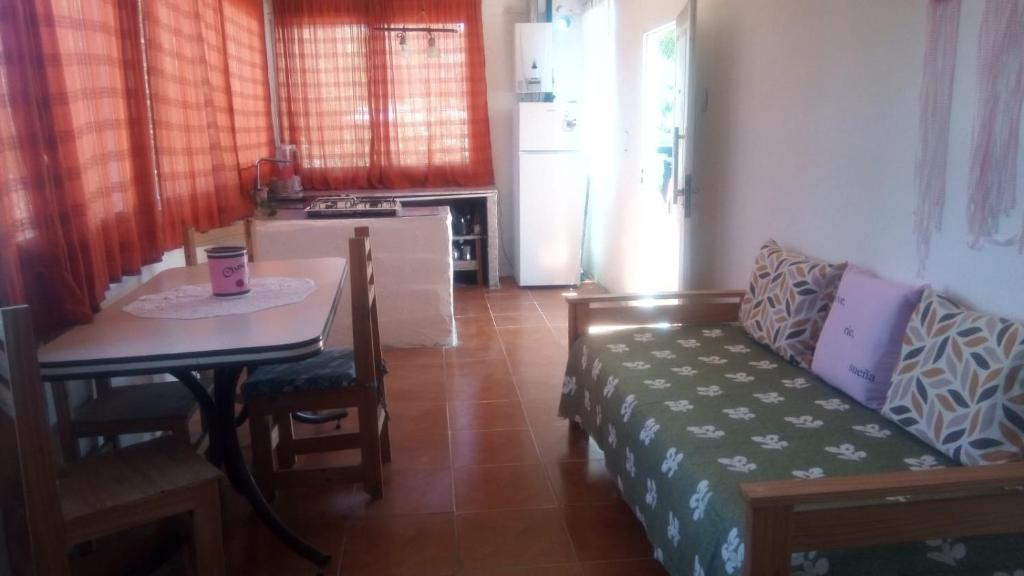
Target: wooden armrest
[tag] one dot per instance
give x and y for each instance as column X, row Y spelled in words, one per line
column 874, row 486
column 611, row 310
column 794, row 515
column 688, row 294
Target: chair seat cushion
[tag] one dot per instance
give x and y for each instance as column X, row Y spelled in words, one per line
column 329, row 370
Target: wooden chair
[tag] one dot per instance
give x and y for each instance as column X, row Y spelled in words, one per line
column 331, row 380
column 45, row 516
column 233, row 235
column 243, row 235
column 113, row 411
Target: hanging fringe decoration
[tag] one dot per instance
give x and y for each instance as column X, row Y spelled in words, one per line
column 992, row 188
column 933, row 131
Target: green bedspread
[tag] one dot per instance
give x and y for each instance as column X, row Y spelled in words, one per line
column 685, row 415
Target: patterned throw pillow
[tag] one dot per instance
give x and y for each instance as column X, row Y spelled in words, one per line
column 788, row 300
column 960, row 382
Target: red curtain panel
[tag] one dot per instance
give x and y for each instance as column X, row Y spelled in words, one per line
column 246, row 51
column 75, row 213
column 107, row 150
column 368, row 109
column 191, row 105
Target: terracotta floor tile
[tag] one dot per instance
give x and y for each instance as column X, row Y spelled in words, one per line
column 554, row 570
column 419, row 417
column 415, row 355
column 415, row 383
column 485, row 448
column 502, row 488
column 550, row 294
column 543, row 353
column 473, row 328
column 479, row 381
column 495, row 415
column 479, row 351
column 645, row 567
column 413, row 545
column 412, row 491
column 464, row 308
column 508, row 296
column 582, row 482
column 537, row 336
column 412, row 450
column 540, row 382
column 606, row 532
column 553, row 306
column 520, row 319
column 512, row 538
column 252, row 549
column 561, row 332
column 512, row 306
column 474, row 371
column 542, row 413
column 556, row 443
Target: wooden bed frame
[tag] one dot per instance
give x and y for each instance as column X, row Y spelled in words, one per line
column 789, row 516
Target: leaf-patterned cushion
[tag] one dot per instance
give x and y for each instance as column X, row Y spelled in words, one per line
column 328, row 370
column 960, row 382
column 788, row 300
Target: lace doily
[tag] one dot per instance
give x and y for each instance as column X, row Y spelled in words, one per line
column 197, row 301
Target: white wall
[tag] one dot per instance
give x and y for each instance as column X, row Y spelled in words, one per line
column 631, row 237
column 499, row 18
column 810, row 137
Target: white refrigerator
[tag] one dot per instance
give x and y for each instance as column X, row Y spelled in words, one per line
column 550, row 192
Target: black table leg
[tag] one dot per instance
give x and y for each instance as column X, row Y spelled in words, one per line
column 223, row 425
column 209, row 411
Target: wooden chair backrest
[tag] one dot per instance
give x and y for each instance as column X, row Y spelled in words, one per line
column 30, row 499
column 220, row 236
column 365, row 329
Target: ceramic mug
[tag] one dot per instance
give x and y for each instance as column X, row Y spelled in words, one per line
column 229, row 270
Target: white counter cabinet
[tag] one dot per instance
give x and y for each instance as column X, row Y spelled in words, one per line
column 412, row 262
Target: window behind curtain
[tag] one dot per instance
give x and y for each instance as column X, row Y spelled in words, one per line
column 76, row 204
column 367, row 114
column 324, row 96
column 246, row 51
column 193, row 123
column 78, row 197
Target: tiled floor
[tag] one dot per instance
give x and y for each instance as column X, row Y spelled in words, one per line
column 485, row 479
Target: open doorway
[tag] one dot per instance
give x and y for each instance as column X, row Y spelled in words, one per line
column 658, row 214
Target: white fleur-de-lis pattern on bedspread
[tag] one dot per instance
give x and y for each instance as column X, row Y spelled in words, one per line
column 686, row 414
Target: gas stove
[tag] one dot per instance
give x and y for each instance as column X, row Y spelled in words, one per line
column 353, row 207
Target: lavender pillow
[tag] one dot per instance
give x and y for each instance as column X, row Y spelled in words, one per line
column 859, row 346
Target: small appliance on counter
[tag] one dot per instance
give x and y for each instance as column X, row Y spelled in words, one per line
column 353, row 207
column 286, row 185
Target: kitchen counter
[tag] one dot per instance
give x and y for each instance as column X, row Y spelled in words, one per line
column 412, row 263
column 414, row 200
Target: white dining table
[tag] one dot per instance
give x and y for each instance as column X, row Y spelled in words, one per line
column 118, row 343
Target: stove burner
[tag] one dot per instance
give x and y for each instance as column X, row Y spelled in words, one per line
column 353, row 207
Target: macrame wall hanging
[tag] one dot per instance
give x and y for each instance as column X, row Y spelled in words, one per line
column 933, row 131
column 992, row 188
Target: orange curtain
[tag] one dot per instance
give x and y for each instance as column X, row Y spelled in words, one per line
column 82, row 201
column 191, row 103
column 369, row 110
column 246, row 53
column 76, row 204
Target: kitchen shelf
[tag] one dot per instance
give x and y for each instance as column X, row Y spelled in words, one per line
column 469, row 237
column 462, row 265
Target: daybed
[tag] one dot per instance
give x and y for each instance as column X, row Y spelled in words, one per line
column 737, row 461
